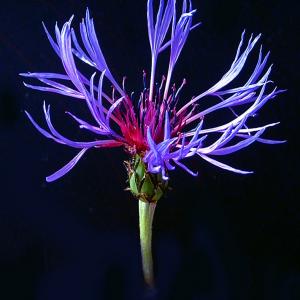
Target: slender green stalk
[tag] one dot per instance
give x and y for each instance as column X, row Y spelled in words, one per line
column 146, row 213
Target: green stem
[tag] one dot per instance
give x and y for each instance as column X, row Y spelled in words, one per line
column 146, row 213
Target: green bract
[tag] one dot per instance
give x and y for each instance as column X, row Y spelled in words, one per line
column 143, row 185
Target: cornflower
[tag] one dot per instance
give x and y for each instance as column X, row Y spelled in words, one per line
column 157, row 133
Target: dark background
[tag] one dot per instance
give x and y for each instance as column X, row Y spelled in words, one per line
column 216, row 236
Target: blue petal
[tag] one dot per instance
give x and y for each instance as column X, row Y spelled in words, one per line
column 223, row 166
column 67, row 168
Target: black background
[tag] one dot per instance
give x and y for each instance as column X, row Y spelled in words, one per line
column 216, row 236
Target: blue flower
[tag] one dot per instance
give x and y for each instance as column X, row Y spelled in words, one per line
column 155, row 127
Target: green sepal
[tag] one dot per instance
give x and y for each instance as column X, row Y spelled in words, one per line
column 132, row 184
column 158, row 194
column 140, row 169
column 145, row 186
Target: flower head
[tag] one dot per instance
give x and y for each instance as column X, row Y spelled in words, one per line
column 155, row 130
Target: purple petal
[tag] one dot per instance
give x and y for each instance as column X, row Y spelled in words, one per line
column 223, row 166
column 196, row 133
column 91, row 44
column 150, row 22
column 61, row 87
column 62, row 138
column 67, row 168
column 249, row 130
column 180, row 32
column 152, row 145
column 53, row 44
column 45, row 75
column 167, row 131
column 100, row 92
column 86, row 125
column 264, row 141
column 233, row 72
column 218, row 142
column 53, row 90
column 41, row 130
column 184, row 167
column 238, row 146
column 79, row 51
column 111, row 110
column 259, row 102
